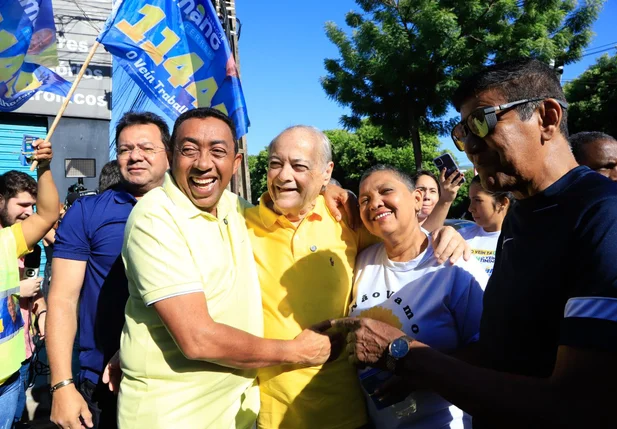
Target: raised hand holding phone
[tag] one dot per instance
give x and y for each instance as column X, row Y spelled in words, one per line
column 447, row 162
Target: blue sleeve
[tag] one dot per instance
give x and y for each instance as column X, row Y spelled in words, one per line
column 467, row 306
column 590, row 314
column 72, row 241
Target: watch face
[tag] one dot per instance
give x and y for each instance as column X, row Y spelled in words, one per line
column 399, row 348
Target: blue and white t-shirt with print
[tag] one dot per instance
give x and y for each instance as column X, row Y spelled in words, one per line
column 482, row 243
column 438, row 304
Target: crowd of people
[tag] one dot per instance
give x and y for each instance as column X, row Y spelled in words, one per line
column 191, row 308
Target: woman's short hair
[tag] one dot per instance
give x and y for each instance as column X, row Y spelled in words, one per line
column 400, row 175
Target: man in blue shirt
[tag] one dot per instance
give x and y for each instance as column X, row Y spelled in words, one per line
column 88, row 272
column 548, row 335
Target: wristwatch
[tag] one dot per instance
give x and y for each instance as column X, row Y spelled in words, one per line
column 397, row 350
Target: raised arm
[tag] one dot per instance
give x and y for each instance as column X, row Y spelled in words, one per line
column 47, row 202
column 449, row 189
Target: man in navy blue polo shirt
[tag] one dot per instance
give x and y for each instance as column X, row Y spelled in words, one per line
column 88, row 275
column 548, row 335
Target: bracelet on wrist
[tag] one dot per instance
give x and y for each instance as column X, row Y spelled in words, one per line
column 60, row 385
column 38, row 316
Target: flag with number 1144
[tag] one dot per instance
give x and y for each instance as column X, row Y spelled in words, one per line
column 178, row 54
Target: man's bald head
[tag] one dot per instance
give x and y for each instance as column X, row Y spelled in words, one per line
column 321, row 141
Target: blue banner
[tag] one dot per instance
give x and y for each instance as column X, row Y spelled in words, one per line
column 27, row 48
column 178, row 54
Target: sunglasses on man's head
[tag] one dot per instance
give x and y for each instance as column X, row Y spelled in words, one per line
column 481, row 122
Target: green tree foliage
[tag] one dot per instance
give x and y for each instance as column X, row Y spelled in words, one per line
column 404, row 58
column 593, row 97
column 258, row 169
column 354, row 152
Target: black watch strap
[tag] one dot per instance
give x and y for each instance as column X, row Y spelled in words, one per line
column 390, row 363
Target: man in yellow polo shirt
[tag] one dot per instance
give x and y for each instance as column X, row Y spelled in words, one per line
column 305, row 261
column 191, row 342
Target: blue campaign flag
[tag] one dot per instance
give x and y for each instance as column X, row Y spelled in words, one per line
column 27, row 48
column 178, row 54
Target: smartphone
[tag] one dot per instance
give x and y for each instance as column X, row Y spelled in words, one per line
column 446, row 161
column 371, row 379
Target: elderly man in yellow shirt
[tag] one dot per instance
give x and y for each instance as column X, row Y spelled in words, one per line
column 305, row 261
column 191, row 342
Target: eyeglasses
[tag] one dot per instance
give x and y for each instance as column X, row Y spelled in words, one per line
column 482, row 121
column 125, row 152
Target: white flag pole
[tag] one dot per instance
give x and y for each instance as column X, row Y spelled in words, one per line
column 68, row 97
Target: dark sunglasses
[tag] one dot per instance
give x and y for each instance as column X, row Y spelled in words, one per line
column 481, row 122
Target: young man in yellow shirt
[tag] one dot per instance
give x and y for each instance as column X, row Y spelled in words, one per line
column 14, row 243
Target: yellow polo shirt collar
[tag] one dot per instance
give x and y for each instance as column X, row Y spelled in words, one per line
column 185, row 204
column 269, row 217
column 305, row 274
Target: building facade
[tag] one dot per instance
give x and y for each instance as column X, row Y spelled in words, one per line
column 80, row 141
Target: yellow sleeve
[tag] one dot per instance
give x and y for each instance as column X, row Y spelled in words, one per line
column 243, row 206
column 366, row 239
column 20, row 240
column 156, row 256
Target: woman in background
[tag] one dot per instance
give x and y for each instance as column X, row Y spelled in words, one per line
column 429, row 185
column 439, row 194
column 488, row 209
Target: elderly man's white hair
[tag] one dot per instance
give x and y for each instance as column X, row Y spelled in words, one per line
column 325, row 151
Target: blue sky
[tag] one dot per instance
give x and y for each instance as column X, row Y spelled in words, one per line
column 282, row 49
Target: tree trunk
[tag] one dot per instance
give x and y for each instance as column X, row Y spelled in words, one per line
column 415, row 141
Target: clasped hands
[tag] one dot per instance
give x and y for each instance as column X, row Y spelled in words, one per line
column 364, row 340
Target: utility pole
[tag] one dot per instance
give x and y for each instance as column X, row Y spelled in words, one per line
column 226, row 9
column 558, row 67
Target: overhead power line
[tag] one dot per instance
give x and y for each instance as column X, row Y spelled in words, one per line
column 601, row 46
column 599, row 51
